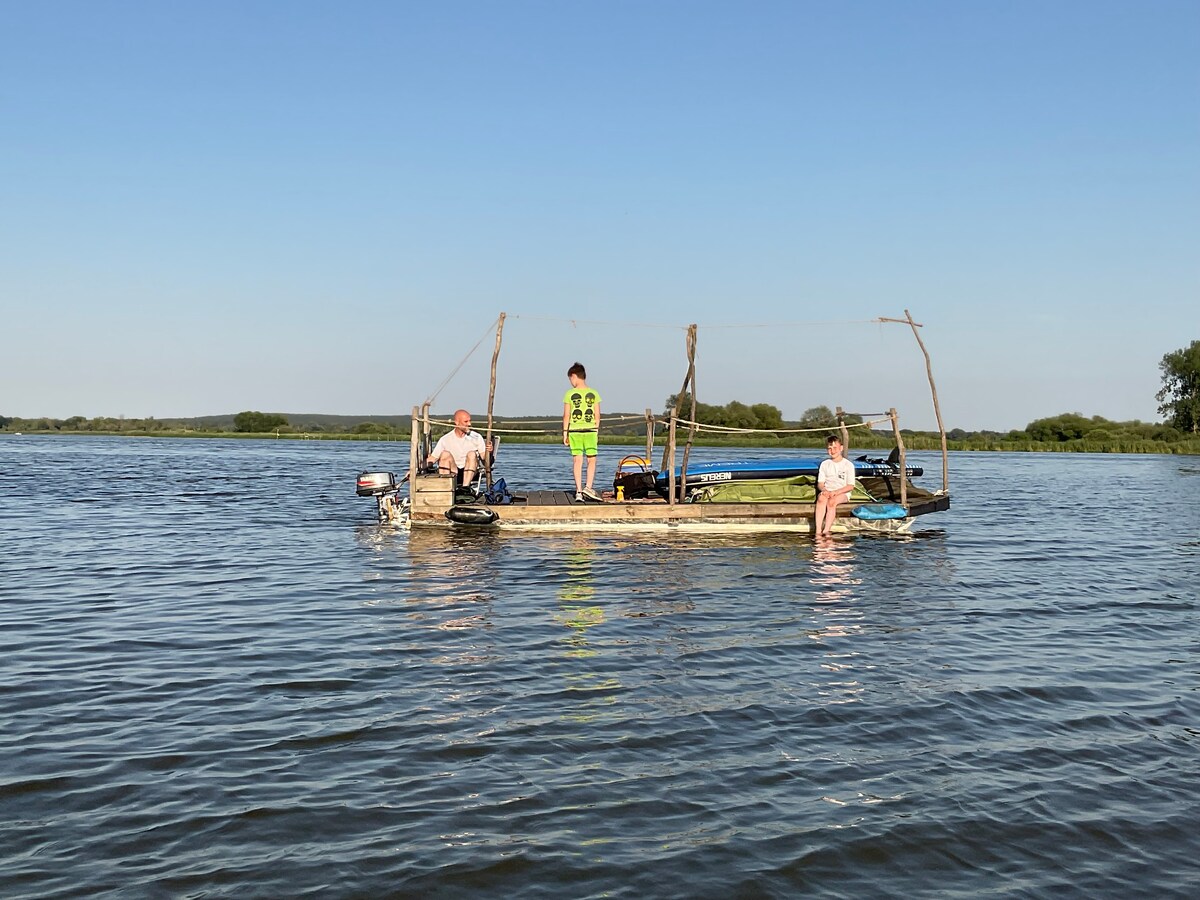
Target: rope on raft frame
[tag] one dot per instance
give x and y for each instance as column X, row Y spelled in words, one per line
column 557, row 422
column 429, row 400
column 700, row 426
column 575, row 323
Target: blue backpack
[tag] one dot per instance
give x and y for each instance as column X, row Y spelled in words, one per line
column 499, row 494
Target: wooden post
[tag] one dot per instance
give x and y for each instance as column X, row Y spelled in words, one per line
column 492, row 398
column 687, row 448
column 937, row 411
column 675, row 411
column 841, row 419
column 649, row 435
column 903, row 463
column 426, row 429
column 669, row 460
column 414, row 437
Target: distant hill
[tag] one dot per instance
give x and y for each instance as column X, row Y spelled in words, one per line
column 299, row 421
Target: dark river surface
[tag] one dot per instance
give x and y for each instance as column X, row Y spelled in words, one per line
column 219, row 678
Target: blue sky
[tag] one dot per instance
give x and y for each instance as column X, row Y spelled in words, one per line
column 302, row 206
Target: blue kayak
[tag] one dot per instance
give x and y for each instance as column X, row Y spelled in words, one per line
column 756, row 469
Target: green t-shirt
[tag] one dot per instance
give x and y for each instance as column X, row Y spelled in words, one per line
column 582, row 403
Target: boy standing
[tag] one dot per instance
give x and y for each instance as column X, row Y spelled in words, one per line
column 835, row 479
column 581, row 426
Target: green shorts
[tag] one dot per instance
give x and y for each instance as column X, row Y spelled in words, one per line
column 582, row 442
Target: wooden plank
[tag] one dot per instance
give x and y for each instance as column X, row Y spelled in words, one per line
column 547, row 498
column 557, row 508
column 614, row 516
column 432, row 492
column 570, row 510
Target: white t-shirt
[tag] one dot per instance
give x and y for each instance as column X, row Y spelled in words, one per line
column 459, row 447
column 836, row 474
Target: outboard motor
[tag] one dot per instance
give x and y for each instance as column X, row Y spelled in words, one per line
column 371, row 484
column 386, row 491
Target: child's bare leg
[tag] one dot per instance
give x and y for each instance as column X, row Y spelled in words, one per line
column 591, row 476
column 577, row 461
column 819, row 517
column 831, row 505
column 831, row 509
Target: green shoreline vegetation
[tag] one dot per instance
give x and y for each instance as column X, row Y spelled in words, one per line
column 1069, row 432
column 1179, row 402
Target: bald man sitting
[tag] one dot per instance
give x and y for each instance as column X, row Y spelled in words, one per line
column 460, row 450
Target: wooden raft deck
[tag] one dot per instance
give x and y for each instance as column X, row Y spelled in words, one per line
column 558, row 510
column 547, row 498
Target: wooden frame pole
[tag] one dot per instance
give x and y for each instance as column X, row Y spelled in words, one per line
column 649, row 435
column 669, row 460
column 937, row 410
column 492, row 398
column 678, row 400
column 426, row 427
column 687, row 448
column 414, row 436
column 903, row 463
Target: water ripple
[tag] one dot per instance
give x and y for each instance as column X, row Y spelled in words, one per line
column 220, row 679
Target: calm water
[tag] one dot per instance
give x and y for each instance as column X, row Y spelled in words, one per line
column 218, row 678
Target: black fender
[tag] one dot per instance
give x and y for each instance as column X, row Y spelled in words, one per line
column 472, row 515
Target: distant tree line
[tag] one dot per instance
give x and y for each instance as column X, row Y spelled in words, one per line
column 254, row 422
column 247, row 422
column 1179, row 398
column 762, row 416
column 731, row 415
column 1073, row 427
column 1065, row 428
column 1179, row 401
